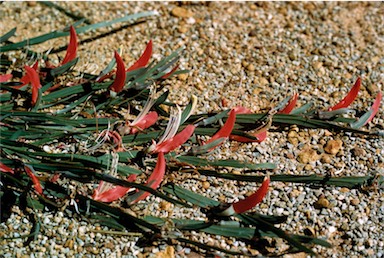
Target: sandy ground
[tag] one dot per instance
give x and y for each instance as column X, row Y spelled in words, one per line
column 254, row 55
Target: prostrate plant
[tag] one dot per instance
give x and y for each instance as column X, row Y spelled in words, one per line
column 53, row 133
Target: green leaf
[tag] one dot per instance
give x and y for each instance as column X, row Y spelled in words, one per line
column 303, row 109
column 362, row 120
column 190, row 196
column 7, row 35
column 107, row 221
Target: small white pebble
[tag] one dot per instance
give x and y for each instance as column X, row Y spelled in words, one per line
column 47, row 149
column 332, row 229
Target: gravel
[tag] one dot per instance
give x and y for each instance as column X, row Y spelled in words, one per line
column 249, row 54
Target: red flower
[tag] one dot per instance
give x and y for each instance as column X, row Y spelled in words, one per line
column 224, row 131
column 107, row 192
column 35, row 180
column 144, row 58
column 5, row 77
column 119, row 82
column 6, row 169
column 249, row 202
column 141, row 62
column 172, row 143
column 144, row 122
column 72, row 47
column 35, row 81
column 351, row 96
column 170, row 140
column 25, row 79
column 144, row 119
column 153, row 181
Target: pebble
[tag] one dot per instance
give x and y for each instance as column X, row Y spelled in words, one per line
column 181, row 12
column 322, row 202
column 355, row 201
column 307, row 155
column 359, row 152
column 183, row 76
column 206, row 185
column 333, row 146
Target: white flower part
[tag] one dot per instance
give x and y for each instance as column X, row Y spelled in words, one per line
column 105, row 186
column 172, row 126
column 227, row 212
column 113, row 94
column 101, row 139
column 148, row 105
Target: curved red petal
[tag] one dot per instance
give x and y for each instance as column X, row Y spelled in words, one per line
column 36, row 65
column 5, row 168
column 112, row 194
column 375, row 107
column 144, row 58
column 176, row 141
column 291, row 104
column 147, row 121
column 35, row 180
column 227, row 128
column 72, row 47
column 252, row 200
column 155, row 179
column 25, row 79
column 351, row 96
column 119, row 81
column 5, row 77
column 35, row 81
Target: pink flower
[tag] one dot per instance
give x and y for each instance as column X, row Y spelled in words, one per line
column 112, row 136
column 141, row 62
column 375, row 108
column 224, row 132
